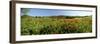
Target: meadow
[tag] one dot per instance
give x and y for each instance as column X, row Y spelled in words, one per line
column 40, row 25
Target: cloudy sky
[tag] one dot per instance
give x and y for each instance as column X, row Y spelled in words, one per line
column 57, row 12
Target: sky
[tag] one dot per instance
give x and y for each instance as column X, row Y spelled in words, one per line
column 56, row 12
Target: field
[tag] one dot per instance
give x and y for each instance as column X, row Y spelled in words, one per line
column 38, row 25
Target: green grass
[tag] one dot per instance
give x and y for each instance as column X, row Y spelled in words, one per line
column 55, row 25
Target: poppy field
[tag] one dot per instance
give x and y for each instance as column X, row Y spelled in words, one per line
column 40, row 25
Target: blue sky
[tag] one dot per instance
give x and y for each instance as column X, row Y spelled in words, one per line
column 56, row 12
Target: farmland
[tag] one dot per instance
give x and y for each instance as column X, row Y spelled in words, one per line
column 38, row 25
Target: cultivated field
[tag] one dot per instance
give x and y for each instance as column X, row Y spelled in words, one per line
column 37, row 25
